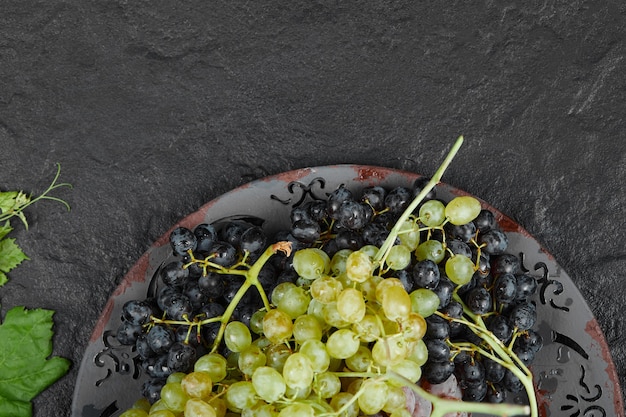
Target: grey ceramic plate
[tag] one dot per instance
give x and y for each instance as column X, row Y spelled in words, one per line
column 574, row 373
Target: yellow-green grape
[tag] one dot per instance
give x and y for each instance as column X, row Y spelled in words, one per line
column 361, row 361
column 368, row 287
column 134, row 412
column 462, row 210
column 400, row 412
column 277, row 354
column 332, row 316
column 424, row 301
column 326, row 289
column 237, row 336
column 326, row 384
column 219, row 405
column 399, row 257
column 389, row 350
column 373, row 397
column 396, row 303
column 260, row 409
column 294, row 301
column 311, row 263
column 197, row 384
column 298, row 393
column 240, row 395
column 368, row 329
column 297, row 410
column 408, row 369
column 256, row 321
column 159, row 405
column 307, row 327
column 142, row 404
column 383, row 285
column 261, row 342
column 338, row 261
column 409, row 234
column 163, row 413
column 354, row 385
column 298, row 371
column 250, row 359
column 174, row 397
column 460, row 269
column 268, row 383
column 214, row 364
column 195, row 407
column 277, row 326
column 413, row 327
column 396, row 398
column 432, row 213
column 337, row 402
column 175, row 377
column 369, row 250
column 279, row 291
column 419, row 353
column 317, row 353
column 342, row 343
column 359, row 266
column 316, row 309
column 431, row 249
column 350, row 305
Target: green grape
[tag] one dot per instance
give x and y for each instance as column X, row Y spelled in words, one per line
column 297, row 410
column 359, row 266
column 430, row 249
column 307, row 327
column 219, row 405
column 396, row 398
column 460, row 269
column 369, row 250
column 174, row 397
column 413, row 327
column 424, row 301
column 332, row 316
column 260, row 410
column 159, row 405
column 389, row 350
column 294, row 301
column 134, row 412
column 419, row 353
column 409, row 234
column 279, row 291
column 368, row 287
column 261, row 342
column 298, row 371
column 326, row 384
column 367, row 329
column 250, row 359
column 462, row 210
column 326, row 289
column 277, row 354
column 399, row 257
column 361, row 360
column 268, row 383
column 197, row 384
column 311, row 263
column 214, row 364
column 175, row 377
column 400, row 412
column 298, row 393
column 317, row 353
column 337, row 402
column 338, row 261
column 162, row 413
column 195, row 407
column 374, row 396
column 316, row 309
column 240, row 395
column 432, row 213
column 396, row 303
column 237, row 336
column 342, row 343
column 277, row 326
column 384, row 284
column 350, row 305
column 256, row 321
column 408, row 369
column 142, row 404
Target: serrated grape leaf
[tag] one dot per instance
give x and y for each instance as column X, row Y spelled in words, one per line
column 3, row 278
column 5, row 229
column 10, row 255
column 7, row 200
column 15, row 408
column 25, row 369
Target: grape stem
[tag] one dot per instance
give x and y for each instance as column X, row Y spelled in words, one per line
column 383, row 252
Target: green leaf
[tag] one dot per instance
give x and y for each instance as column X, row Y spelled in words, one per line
column 10, row 255
column 3, row 278
column 7, row 200
column 25, row 369
column 15, row 408
column 5, row 229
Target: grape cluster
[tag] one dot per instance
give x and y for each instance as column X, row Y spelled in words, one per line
column 363, row 300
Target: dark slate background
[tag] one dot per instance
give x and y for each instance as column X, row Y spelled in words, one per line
column 156, row 107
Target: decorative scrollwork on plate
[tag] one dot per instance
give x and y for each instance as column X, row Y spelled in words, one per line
column 546, row 282
column 305, row 190
column 580, row 403
column 116, row 358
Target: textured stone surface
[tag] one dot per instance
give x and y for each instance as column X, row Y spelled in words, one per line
column 155, row 107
